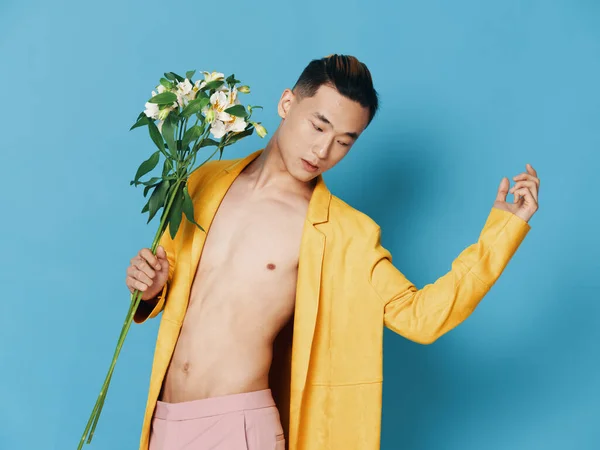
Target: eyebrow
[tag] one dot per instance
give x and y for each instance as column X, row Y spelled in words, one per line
column 321, row 117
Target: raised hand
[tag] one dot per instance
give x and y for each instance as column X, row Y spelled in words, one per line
column 525, row 192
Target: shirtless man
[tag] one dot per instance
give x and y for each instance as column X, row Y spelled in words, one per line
column 244, row 289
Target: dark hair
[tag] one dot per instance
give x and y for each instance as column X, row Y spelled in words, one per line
column 346, row 74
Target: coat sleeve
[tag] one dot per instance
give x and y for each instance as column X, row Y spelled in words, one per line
column 423, row 315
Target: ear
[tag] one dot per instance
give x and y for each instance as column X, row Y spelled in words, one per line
column 285, row 103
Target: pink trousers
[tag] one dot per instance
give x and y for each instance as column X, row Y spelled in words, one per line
column 248, row 421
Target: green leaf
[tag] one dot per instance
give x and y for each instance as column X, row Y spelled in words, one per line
column 157, row 199
column 189, row 74
column 166, row 168
column 175, row 213
column 191, row 135
column 156, row 136
column 237, row 110
column 165, row 98
column 195, row 106
column 168, row 132
column 188, row 207
column 146, row 206
column 201, row 94
column 143, row 120
column 147, row 166
column 208, row 142
column 231, row 79
column 173, row 76
column 166, row 83
column 213, row 85
column 148, row 187
column 236, row 137
column 151, row 181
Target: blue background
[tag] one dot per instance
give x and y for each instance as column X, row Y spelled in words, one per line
column 471, row 92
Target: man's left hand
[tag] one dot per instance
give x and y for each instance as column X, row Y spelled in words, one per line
column 525, row 192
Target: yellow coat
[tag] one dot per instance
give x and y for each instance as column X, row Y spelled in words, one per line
column 327, row 378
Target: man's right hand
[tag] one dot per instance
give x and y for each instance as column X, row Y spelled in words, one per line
column 148, row 273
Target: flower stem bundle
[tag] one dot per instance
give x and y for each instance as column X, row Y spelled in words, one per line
column 181, row 117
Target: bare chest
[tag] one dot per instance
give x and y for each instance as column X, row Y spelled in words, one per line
column 251, row 252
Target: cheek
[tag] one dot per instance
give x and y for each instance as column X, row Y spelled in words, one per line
column 295, row 135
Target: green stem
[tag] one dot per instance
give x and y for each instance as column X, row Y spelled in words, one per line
column 135, row 300
column 213, row 154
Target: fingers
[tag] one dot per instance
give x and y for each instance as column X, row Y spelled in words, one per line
column 528, row 201
column 503, row 190
column 149, row 258
column 526, row 176
column 527, row 179
column 531, row 185
column 531, row 174
column 133, row 284
column 141, row 272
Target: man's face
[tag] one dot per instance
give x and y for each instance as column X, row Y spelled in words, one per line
column 317, row 132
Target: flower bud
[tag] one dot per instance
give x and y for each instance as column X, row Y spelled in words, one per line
column 163, row 113
column 260, row 130
column 210, row 115
column 244, row 89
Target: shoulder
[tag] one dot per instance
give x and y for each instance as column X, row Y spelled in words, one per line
column 350, row 222
column 207, row 171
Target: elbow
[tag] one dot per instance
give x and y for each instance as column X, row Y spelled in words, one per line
column 420, row 336
column 426, row 339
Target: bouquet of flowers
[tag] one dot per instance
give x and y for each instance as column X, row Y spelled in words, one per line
column 187, row 113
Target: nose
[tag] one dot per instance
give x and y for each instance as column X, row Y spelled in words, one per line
column 321, row 149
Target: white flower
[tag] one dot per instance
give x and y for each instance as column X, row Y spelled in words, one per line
column 223, row 122
column 185, row 93
column 218, row 129
column 214, row 76
column 160, row 88
column 185, row 87
column 151, row 110
column 236, row 125
column 208, row 77
column 219, row 102
column 159, row 125
column 233, row 97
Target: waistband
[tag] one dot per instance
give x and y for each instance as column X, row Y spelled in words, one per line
column 213, row 406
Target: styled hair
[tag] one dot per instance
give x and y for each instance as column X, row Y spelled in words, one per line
column 350, row 77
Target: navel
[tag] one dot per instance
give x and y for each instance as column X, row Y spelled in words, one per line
column 271, row 266
column 186, row 367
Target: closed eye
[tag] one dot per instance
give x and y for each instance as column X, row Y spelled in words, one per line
column 316, row 127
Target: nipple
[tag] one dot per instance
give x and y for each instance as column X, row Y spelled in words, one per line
column 271, row 266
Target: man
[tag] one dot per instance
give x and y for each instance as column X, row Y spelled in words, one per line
column 273, row 319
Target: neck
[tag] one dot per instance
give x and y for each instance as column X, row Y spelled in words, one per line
column 268, row 172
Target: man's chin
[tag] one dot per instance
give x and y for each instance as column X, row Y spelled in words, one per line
column 304, row 177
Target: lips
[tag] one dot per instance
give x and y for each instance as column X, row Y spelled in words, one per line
column 310, row 166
